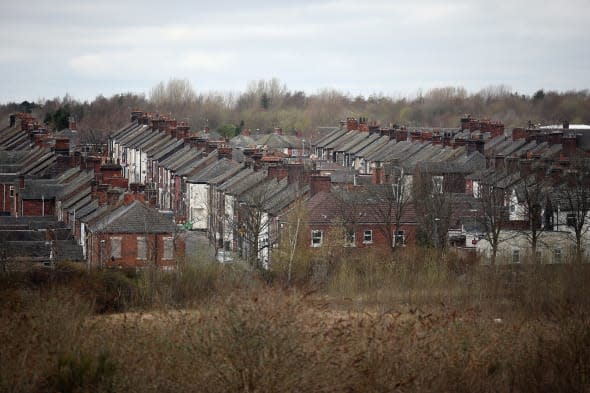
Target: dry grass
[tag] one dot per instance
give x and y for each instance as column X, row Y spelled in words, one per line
column 382, row 326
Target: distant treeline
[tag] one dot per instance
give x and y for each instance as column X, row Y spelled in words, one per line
column 269, row 103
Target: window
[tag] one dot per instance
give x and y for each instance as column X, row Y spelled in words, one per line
column 349, row 239
column 516, row 255
column 115, row 247
column 11, row 191
column 395, row 191
column 141, row 247
column 400, row 238
column 368, row 236
column 316, row 238
column 557, row 255
column 168, row 248
column 476, row 190
column 571, row 219
column 437, row 184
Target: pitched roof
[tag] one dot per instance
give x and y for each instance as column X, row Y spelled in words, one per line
column 362, row 207
column 214, row 170
column 134, row 218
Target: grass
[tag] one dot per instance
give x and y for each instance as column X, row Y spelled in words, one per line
column 411, row 322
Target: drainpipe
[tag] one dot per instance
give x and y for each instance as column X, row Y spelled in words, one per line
column 43, row 205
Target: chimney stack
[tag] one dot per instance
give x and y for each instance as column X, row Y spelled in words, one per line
column 351, row 124
column 72, row 124
column 319, row 183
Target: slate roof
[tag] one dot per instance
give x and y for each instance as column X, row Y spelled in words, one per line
column 167, row 150
column 331, row 133
column 285, row 197
column 357, row 147
column 379, row 144
column 326, row 207
column 133, row 218
column 29, row 222
column 214, row 170
column 191, row 166
column 466, row 163
column 276, row 141
column 242, row 181
column 68, row 250
column 242, row 141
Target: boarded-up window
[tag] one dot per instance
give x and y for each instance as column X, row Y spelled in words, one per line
column 168, row 248
column 141, row 247
column 115, row 247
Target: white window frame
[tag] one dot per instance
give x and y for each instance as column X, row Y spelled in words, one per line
column 437, row 184
column 368, row 236
column 142, row 243
column 516, row 255
column 557, row 255
column 168, row 248
column 402, row 234
column 11, row 191
column 349, row 239
column 116, row 247
column 317, row 237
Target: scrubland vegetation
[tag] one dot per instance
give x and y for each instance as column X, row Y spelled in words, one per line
column 414, row 321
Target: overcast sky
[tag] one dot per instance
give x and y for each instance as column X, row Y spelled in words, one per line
column 87, row 48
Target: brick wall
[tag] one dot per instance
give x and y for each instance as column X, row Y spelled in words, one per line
column 128, row 259
column 38, row 207
column 5, row 199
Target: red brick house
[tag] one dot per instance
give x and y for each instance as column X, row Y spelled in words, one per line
column 353, row 219
column 134, row 236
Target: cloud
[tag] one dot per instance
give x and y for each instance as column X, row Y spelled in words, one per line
column 122, row 65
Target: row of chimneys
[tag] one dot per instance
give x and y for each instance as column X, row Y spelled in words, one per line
column 484, row 125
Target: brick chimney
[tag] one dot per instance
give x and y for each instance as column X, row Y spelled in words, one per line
column 518, row 133
column 72, row 124
column 136, row 115
column 569, row 144
column 401, row 134
column 363, row 126
column 351, row 124
column 278, row 131
column 182, row 130
column 319, row 183
column 224, row 152
column 465, row 122
column 296, row 174
column 555, row 138
column 278, row 172
column 378, row 175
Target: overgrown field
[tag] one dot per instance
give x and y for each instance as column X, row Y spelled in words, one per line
column 416, row 323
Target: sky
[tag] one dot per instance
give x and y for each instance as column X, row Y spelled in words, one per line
column 396, row 48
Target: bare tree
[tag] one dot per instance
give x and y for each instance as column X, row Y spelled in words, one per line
column 434, row 207
column 389, row 202
column 534, row 192
column 254, row 223
column 492, row 212
column 574, row 200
